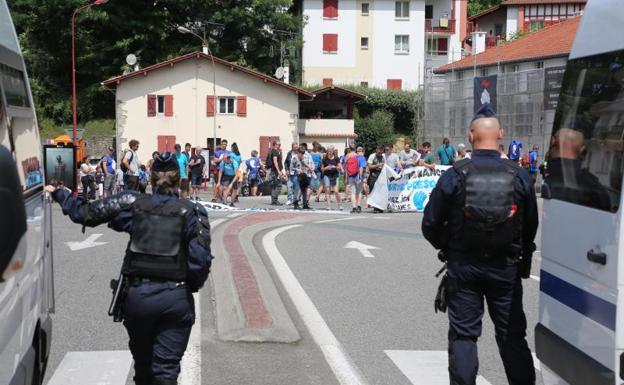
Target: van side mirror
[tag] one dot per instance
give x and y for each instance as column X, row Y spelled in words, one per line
column 13, row 218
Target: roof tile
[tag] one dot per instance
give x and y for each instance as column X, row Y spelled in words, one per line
column 552, row 41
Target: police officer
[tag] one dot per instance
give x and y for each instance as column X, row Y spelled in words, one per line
column 483, row 215
column 167, row 258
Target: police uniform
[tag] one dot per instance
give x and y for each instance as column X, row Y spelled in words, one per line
column 167, row 258
column 483, row 215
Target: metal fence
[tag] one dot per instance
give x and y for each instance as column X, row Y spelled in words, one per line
column 520, row 109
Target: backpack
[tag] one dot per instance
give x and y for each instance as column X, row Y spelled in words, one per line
column 515, row 149
column 352, row 166
column 122, row 165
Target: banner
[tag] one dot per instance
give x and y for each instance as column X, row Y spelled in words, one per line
column 485, row 92
column 408, row 191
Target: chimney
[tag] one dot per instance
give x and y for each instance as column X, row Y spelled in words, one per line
column 286, row 75
column 205, row 49
column 478, row 42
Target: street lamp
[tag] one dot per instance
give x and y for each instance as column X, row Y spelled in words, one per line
column 73, row 53
column 206, row 51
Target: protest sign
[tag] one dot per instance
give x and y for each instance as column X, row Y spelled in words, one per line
column 408, row 191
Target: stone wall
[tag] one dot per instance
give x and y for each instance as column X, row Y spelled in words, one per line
column 97, row 146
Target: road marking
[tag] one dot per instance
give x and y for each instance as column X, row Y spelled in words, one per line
column 235, row 215
column 535, row 277
column 363, row 248
column 337, row 358
column 536, row 362
column 425, row 367
column 217, row 222
column 340, row 219
column 101, row 368
column 190, row 373
column 87, row 243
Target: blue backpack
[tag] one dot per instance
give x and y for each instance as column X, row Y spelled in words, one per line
column 515, row 150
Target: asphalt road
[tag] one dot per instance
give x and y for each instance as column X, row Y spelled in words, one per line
column 372, row 305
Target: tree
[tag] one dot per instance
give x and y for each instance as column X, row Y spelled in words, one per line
column 375, row 130
column 146, row 28
column 476, row 6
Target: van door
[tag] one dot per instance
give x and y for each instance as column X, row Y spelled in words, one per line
column 581, row 226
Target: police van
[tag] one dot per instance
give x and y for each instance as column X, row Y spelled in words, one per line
column 26, row 279
column 579, row 338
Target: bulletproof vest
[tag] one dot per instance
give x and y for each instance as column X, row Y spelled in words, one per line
column 157, row 248
column 487, row 213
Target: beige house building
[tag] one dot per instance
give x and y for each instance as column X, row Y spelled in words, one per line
column 177, row 102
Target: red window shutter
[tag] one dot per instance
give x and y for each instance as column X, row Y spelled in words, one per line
column 330, row 42
column 328, row 81
column 241, row 106
column 330, row 8
column 442, row 46
column 151, row 105
column 394, row 84
column 210, row 105
column 168, row 105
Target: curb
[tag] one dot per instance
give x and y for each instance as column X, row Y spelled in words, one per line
column 248, row 305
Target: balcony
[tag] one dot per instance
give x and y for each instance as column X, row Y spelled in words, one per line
column 438, row 26
column 491, row 41
column 325, row 127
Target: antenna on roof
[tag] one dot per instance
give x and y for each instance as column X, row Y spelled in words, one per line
column 279, row 73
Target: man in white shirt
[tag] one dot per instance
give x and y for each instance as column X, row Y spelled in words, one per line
column 132, row 164
column 409, row 157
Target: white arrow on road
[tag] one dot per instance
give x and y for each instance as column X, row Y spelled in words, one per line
column 362, row 248
column 87, row 243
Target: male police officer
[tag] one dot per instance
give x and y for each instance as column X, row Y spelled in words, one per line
column 483, row 215
column 168, row 257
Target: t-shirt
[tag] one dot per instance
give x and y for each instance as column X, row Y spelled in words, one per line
column 198, row 168
column 429, row 158
column 331, row 172
column 373, row 159
column 533, row 162
column 110, row 164
column 361, row 161
column 446, row 155
column 409, row 159
column 219, row 154
column 316, row 158
column 133, row 160
column 253, row 165
column 229, row 168
column 182, row 162
column 275, row 153
column 392, row 161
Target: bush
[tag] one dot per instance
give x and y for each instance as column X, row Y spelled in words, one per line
column 375, row 130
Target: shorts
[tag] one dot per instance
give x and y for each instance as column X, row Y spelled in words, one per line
column 226, row 180
column 254, row 180
column 330, row 180
column 109, row 182
column 197, row 180
column 315, row 183
column 184, row 184
column 354, row 181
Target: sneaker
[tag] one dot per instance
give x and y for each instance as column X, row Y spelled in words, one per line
column 306, row 207
column 359, row 209
column 378, row 211
column 214, row 200
column 354, row 211
column 232, row 205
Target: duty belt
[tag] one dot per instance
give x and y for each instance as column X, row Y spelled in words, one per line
column 136, row 281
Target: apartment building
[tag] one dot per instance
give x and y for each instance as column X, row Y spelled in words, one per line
column 379, row 43
column 505, row 20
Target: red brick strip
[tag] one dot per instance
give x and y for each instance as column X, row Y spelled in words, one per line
column 256, row 313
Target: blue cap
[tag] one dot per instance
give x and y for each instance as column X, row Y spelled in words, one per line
column 485, row 111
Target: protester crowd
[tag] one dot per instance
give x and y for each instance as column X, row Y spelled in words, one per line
column 309, row 171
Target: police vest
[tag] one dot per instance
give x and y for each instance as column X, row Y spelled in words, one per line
column 486, row 214
column 157, row 247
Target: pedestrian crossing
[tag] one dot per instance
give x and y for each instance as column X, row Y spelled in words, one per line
column 100, row 367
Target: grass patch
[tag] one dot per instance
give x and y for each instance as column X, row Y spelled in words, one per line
column 94, row 128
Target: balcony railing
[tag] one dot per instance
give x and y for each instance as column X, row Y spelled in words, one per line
column 433, row 25
column 491, row 41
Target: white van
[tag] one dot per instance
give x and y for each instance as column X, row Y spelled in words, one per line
column 26, row 279
column 580, row 335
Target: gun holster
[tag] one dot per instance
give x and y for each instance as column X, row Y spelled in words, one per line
column 526, row 260
column 441, row 299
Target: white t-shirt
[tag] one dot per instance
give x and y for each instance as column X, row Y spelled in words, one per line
column 392, row 160
column 409, row 159
column 133, row 160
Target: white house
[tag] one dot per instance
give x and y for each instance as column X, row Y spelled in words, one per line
column 174, row 102
column 379, row 43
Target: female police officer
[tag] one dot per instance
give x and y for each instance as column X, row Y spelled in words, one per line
column 167, row 258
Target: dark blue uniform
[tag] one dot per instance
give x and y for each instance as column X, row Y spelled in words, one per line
column 159, row 313
column 471, row 278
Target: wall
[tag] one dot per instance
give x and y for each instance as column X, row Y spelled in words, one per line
column 271, row 109
column 486, row 23
column 387, row 64
column 325, row 126
column 98, row 146
column 512, row 21
column 337, row 142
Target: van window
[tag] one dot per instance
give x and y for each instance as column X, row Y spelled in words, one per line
column 586, row 159
column 14, row 84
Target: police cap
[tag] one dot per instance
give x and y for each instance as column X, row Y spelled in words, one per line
column 485, row 111
column 166, row 161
